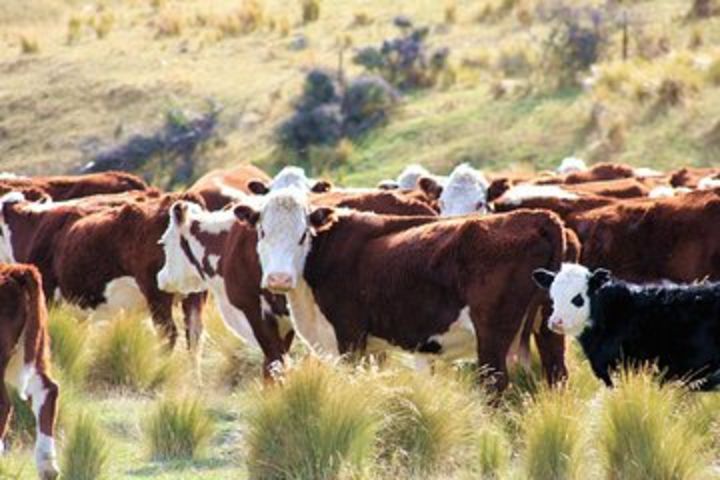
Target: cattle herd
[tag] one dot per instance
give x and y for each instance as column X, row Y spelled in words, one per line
column 449, row 267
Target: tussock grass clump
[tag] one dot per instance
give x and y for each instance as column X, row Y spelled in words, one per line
column 178, row 429
column 429, row 420
column 129, row 354
column 493, row 451
column 310, row 10
column 85, row 450
column 169, row 24
column 314, row 423
column 28, row 44
column 644, row 432
column 450, row 12
column 68, row 342
column 553, row 434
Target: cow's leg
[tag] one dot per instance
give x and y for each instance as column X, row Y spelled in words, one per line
column 160, row 304
column 192, row 306
column 551, row 347
column 492, row 349
column 5, row 406
column 43, row 393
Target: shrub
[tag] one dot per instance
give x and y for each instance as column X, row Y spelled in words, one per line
column 315, row 422
column 310, row 10
column 450, row 12
column 552, row 430
column 643, row 431
column 178, row 429
column 713, row 72
column 578, row 38
column 406, row 62
column 74, row 32
column 128, row 354
column 366, row 104
column 430, row 421
column 169, row 25
column 103, row 24
column 361, row 19
column 68, row 343
column 324, row 115
column 85, row 450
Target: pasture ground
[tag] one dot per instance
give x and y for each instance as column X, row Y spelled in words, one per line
column 511, row 440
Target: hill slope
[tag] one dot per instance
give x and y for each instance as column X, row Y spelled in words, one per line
column 76, row 77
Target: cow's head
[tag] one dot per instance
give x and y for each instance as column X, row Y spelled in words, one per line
column 182, row 271
column 285, row 226
column 289, row 177
column 464, row 192
column 7, row 254
column 570, row 290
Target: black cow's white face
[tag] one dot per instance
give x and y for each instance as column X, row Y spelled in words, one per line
column 570, row 290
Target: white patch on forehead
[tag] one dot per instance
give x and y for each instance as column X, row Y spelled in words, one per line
column 283, row 223
column 519, row 193
column 571, row 165
column 290, row 177
column 408, row 178
column 465, row 192
column 708, row 183
column 570, row 282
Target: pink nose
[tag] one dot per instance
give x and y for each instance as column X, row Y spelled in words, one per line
column 279, row 282
column 556, row 325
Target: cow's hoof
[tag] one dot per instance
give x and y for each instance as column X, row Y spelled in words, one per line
column 48, row 469
column 50, row 474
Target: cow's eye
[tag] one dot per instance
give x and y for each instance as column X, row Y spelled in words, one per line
column 302, row 239
column 578, row 300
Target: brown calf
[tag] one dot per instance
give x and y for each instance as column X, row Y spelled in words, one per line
column 221, row 187
column 24, row 359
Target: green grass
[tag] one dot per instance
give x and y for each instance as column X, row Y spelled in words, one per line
column 68, row 337
column 85, row 452
column 178, row 429
column 316, row 422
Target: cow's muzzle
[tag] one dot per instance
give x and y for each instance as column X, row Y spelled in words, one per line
column 279, row 282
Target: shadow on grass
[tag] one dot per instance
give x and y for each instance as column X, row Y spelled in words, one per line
column 156, row 468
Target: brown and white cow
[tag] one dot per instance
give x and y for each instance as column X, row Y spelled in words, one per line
column 212, row 251
column 464, row 192
column 355, row 280
column 221, row 187
column 66, row 187
column 25, row 359
column 101, row 255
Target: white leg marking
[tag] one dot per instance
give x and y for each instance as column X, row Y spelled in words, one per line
column 45, row 455
column 233, row 317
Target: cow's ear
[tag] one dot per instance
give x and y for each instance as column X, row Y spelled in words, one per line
column 431, row 187
column 179, row 212
column 598, row 278
column 247, row 214
column 322, row 218
column 258, row 187
column 321, row 186
column 543, row 278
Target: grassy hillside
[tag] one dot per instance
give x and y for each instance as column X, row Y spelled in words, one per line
column 78, row 75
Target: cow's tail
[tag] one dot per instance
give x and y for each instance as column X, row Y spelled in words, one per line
column 36, row 342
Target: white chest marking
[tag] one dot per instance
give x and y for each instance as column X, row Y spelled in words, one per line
column 233, row 317
column 310, row 323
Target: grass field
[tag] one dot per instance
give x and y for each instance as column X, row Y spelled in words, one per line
column 365, row 421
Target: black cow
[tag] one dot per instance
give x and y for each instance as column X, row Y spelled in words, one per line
column 676, row 325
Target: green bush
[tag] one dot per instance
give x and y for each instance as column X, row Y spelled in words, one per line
column 178, row 429
column 85, row 450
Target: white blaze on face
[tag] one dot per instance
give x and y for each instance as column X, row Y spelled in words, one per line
column 571, row 165
column 179, row 274
column 410, row 175
column 465, row 192
column 571, row 303
column 291, row 177
column 283, row 237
